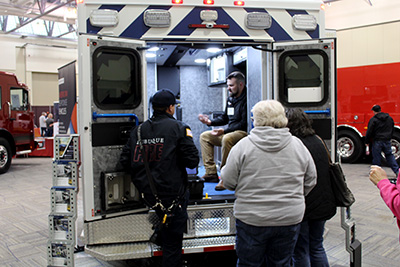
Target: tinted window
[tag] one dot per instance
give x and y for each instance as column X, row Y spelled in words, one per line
column 19, row 99
column 116, row 78
column 303, row 78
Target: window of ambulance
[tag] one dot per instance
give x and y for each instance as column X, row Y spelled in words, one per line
column 303, row 78
column 116, row 78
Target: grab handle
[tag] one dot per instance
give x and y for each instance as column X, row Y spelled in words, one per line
column 326, row 111
column 131, row 116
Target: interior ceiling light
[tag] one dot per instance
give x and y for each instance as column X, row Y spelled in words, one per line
column 213, row 50
column 150, row 55
column 200, row 60
column 154, row 49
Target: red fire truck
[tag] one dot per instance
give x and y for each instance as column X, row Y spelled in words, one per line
column 368, row 74
column 16, row 120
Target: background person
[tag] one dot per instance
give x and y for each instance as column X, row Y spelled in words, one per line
column 42, row 124
column 235, row 116
column 320, row 202
column 390, row 193
column 49, row 125
column 171, row 151
column 270, row 171
column 379, row 133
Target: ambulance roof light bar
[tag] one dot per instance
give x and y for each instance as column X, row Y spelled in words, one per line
column 258, row 20
column 178, row 2
column 304, row 22
column 157, row 18
column 208, row 2
column 104, row 18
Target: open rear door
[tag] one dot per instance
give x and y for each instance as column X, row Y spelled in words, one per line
column 305, row 77
column 112, row 99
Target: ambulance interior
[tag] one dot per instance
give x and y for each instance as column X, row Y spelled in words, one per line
column 196, row 74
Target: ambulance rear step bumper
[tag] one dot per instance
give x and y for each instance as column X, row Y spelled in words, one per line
column 125, row 251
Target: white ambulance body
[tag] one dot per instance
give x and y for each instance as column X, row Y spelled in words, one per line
column 279, row 45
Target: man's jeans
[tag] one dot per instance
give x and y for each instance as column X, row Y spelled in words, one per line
column 386, row 147
column 271, row 244
column 309, row 249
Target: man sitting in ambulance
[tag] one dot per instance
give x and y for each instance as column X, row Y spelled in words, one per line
column 235, row 116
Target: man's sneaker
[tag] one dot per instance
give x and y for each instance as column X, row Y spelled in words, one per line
column 213, row 178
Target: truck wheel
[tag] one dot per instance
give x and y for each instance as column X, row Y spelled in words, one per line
column 5, row 155
column 349, row 146
column 396, row 146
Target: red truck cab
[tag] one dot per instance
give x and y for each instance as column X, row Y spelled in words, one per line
column 16, row 120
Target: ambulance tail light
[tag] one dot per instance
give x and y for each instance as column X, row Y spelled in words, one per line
column 104, row 18
column 157, row 18
column 238, row 3
column 304, row 22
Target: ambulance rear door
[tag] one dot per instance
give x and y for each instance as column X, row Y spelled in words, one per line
column 112, row 99
column 304, row 76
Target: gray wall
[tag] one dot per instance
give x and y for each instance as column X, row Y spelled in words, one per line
column 197, row 97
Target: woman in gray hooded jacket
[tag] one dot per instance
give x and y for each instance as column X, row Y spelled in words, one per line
column 271, row 171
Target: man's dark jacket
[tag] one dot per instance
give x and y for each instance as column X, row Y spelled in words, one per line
column 380, row 128
column 237, row 121
column 170, row 149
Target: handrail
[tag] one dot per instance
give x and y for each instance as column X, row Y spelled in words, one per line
column 116, row 115
column 327, row 111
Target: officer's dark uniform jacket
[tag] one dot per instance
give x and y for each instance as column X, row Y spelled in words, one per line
column 170, row 149
column 237, row 121
column 380, row 128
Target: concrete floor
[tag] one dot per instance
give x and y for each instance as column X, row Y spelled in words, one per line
column 25, row 205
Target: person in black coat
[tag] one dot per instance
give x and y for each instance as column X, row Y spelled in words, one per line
column 320, row 202
column 169, row 150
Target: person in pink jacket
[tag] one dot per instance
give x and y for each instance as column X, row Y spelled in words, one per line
column 390, row 192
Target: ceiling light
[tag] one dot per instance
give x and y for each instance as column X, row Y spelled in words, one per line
column 200, row 60
column 150, row 55
column 154, row 49
column 213, row 50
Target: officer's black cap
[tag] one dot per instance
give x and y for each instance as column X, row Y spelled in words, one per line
column 163, row 98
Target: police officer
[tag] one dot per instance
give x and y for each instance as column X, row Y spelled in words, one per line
column 170, row 149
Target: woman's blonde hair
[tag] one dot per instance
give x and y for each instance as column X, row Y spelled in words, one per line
column 269, row 113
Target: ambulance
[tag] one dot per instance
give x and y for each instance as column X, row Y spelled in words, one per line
column 130, row 49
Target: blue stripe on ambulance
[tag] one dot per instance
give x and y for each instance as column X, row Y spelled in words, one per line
column 313, row 34
column 95, row 30
column 137, row 29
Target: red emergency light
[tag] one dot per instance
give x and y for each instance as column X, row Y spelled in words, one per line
column 238, row 3
column 208, row 2
column 79, row 1
column 177, row 2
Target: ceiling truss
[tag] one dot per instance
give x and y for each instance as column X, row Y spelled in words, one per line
column 28, row 11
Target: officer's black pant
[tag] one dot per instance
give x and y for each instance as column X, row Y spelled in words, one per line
column 172, row 236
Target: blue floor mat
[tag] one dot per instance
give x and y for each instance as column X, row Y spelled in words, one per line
column 209, row 188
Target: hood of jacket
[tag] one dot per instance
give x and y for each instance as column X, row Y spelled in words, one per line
column 270, row 139
column 382, row 116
